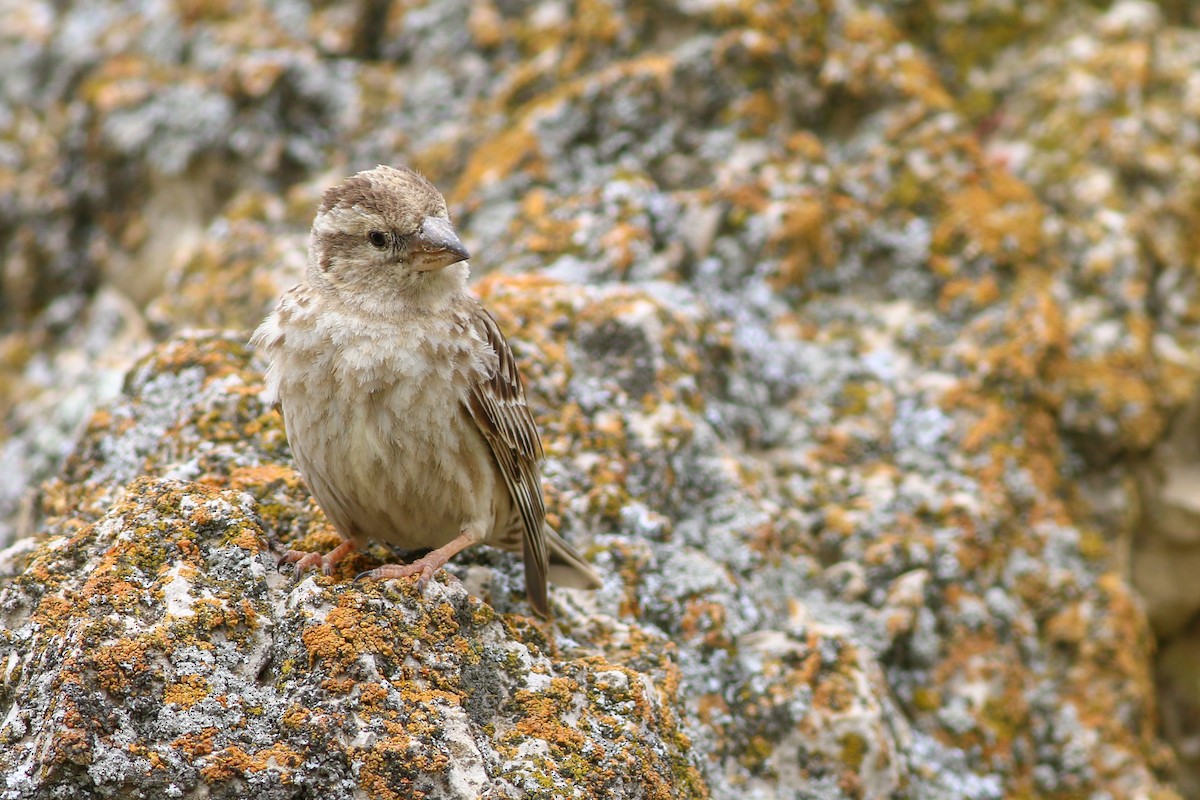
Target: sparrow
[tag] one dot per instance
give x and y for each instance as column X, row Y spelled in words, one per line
column 400, row 396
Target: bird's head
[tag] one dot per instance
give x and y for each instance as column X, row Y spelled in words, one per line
column 384, row 236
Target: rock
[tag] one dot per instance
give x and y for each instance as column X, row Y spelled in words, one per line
column 178, row 663
column 152, row 648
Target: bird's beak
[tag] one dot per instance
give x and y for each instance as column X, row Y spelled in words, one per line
column 436, row 246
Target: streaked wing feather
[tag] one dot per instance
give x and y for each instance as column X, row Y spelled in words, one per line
column 497, row 404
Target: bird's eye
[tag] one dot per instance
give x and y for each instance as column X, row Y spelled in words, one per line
column 378, row 239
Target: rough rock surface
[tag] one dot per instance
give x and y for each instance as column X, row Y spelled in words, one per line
column 862, row 338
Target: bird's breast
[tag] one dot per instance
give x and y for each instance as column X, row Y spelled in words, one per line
column 381, row 434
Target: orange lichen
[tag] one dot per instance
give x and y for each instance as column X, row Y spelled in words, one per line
column 231, row 615
column 345, row 634
column 513, row 149
column 996, row 214
column 195, row 745
column 263, row 476
column 296, row 716
column 804, row 239
column 233, row 762
column 186, row 691
column 118, row 664
column 52, row 613
column 981, row 293
column 184, row 353
column 704, row 622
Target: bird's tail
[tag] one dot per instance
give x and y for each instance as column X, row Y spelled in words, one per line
column 567, row 567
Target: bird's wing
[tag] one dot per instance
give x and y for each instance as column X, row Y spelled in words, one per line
column 497, row 404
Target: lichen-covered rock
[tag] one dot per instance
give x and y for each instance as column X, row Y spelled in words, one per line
column 156, row 653
column 152, row 650
column 859, row 336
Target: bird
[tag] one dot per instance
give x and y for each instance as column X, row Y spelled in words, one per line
column 401, row 399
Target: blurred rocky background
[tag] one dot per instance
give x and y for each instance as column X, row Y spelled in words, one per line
column 862, row 335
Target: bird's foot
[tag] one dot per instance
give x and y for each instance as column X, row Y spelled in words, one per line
column 424, row 566
column 305, row 561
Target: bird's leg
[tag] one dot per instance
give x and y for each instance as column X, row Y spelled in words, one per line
column 427, row 564
column 306, row 561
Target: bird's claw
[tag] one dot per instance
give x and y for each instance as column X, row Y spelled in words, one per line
column 304, row 561
column 423, row 569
